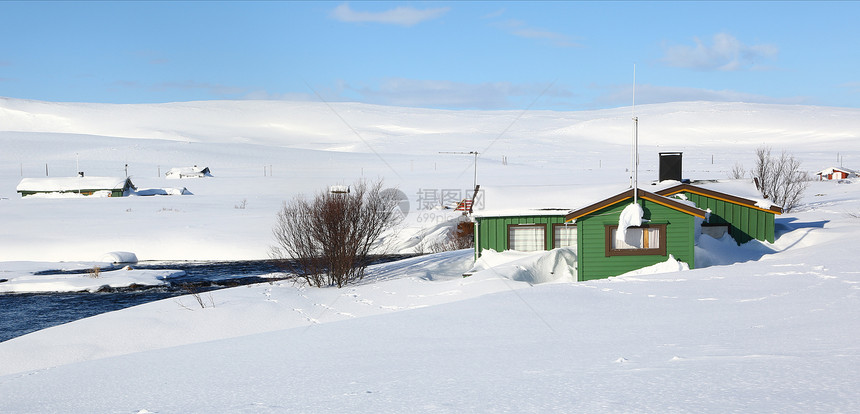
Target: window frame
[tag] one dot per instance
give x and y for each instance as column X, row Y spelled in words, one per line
column 660, row 250
column 542, row 226
column 563, row 225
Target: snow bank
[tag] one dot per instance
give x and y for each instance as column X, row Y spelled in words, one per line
column 92, row 281
column 556, row 265
column 669, row 266
column 726, row 251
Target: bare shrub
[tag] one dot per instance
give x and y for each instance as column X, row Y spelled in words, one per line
column 780, row 179
column 327, row 241
column 95, row 272
column 194, row 292
column 737, row 172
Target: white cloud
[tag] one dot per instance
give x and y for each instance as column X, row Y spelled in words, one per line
column 520, row 29
column 459, row 95
column 652, row 94
column 401, row 16
column 853, row 87
column 270, row 96
column 725, row 53
column 495, row 14
column 211, row 88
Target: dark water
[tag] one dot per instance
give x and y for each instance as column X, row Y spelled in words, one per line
column 22, row 313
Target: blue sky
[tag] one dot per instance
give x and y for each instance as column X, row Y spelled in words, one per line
column 455, row 55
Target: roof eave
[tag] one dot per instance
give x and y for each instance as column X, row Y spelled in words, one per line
column 656, row 198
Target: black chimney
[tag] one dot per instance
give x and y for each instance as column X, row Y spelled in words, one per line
column 670, row 166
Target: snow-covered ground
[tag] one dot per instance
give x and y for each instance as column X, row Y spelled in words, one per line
column 754, row 328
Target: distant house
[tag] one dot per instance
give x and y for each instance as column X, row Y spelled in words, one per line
column 837, row 173
column 112, row 186
column 188, row 172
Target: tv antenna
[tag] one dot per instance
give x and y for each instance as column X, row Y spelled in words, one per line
column 475, row 153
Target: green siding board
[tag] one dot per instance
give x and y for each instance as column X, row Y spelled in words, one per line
column 592, row 260
column 770, row 232
column 493, row 231
column 745, row 223
column 753, row 224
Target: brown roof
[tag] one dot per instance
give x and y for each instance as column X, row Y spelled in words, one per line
column 659, row 199
column 680, row 188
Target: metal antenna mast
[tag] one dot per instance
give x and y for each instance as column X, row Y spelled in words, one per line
column 635, row 142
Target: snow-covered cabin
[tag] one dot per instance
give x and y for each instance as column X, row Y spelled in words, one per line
column 837, row 173
column 110, row 186
column 670, row 220
column 188, row 172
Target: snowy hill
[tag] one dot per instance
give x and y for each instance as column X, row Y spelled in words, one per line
column 760, row 328
column 265, row 152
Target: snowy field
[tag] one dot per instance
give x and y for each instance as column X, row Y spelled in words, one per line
column 754, row 328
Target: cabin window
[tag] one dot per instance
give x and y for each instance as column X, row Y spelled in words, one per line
column 527, row 237
column 563, row 235
column 642, row 240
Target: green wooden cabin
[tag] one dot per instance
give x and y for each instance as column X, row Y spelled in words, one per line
column 530, row 230
column 742, row 218
column 670, row 230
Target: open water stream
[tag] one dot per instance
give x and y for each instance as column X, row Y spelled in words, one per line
column 22, row 313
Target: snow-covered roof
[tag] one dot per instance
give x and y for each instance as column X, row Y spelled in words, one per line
column 514, row 212
column 72, row 183
column 182, row 172
column 831, row 170
column 711, row 192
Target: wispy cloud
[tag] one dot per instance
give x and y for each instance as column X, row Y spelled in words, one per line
column 151, row 57
column 495, row 14
column 521, row 29
column 853, row 87
column 401, row 16
column 459, row 95
column 270, row 96
column 725, row 53
column 211, row 88
column 652, row 94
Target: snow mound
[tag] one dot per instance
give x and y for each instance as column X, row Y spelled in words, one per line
column 557, row 265
column 631, row 216
column 669, row 266
column 161, row 191
column 119, row 257
column 726, row 251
